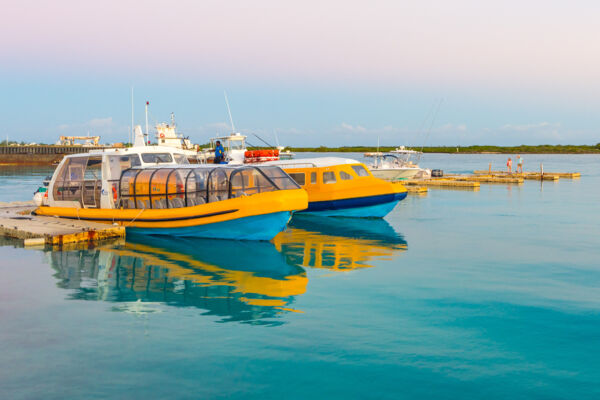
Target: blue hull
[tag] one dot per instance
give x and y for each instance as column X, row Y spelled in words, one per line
column 258, row 227
column 361, row 207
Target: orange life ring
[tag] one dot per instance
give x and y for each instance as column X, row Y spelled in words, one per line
column 162, row 135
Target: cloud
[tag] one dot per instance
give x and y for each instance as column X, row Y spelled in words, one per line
column 451, row 128
column 531, row 127
column 351, row 128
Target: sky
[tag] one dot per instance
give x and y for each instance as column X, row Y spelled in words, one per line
column 310, row 73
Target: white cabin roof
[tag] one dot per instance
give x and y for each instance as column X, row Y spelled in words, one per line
column 317, row 162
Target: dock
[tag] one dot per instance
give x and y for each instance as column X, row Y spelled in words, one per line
column 417, row 190
column 442, row 182
column 531, row 175
column 16, row 221
column 490, row 179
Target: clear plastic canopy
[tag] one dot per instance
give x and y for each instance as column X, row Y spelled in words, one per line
column 186, row 186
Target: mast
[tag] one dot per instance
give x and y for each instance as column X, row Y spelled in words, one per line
column 147, row 104
column 131, row 134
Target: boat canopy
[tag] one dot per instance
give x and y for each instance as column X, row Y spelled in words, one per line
column 191, row 185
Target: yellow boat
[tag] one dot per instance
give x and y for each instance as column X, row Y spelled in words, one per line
column 342, row 187
column 153, row 190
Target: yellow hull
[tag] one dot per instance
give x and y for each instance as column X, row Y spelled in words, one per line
column 235, row 218
column 356, row 196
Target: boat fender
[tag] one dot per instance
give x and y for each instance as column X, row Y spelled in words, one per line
column 38, row 199
column 114, row 191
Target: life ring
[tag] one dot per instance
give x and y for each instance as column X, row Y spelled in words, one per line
column 162, row 135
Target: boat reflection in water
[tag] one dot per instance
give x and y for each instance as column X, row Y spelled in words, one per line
column 238, row 281
column 250, row 282
column 343, row 244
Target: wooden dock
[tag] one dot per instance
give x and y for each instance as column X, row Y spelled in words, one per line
column 417, row 190
column 491, row 179
column 531, row 175
column 442, row 182
column 17, row 221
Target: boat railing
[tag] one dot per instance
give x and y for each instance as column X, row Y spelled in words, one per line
column 297, row 165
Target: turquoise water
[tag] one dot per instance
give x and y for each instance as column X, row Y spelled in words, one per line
column 492, row 294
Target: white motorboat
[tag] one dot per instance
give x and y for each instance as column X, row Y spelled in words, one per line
column 395, row 165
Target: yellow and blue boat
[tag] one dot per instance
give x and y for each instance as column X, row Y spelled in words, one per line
column 342, row 187
column 153, row 190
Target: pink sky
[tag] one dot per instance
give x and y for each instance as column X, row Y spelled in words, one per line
column 471, row 43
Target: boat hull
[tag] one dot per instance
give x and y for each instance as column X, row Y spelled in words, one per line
column 361, row 207
column 392, row 174
column 239, row 229
column 256, row 217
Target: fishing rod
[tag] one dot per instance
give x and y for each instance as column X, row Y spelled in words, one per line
column 431, row 125
column 261, row 139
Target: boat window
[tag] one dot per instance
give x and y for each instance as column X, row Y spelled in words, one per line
column 329, row 177
column 360, row 170
column 92, row 182
column 249, row 181
column 299, row 177
column 69, row 180
column 180, row 159
column 279, row 178
column 217, row 185
column 117, row 164
column 176, row 188
column 345, row 176
column 236, row 145
column 157, row 158
column 196, row 186
column 313, row 178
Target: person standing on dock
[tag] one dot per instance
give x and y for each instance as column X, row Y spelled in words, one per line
column 519, row 164
column 509, row 165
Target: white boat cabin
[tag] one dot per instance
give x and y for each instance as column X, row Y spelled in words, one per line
column 147, row 177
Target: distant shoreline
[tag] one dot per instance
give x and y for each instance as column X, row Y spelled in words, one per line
column 541, row 149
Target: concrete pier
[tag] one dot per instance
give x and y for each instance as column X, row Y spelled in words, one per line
column 16, row 221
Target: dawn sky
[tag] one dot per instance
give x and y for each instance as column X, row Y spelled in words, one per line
column 316, row 72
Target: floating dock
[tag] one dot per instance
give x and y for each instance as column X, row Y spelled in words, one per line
column 417, row 190
column 16, row 221
column 442, row 182
column 490, row 179
column 531, row 175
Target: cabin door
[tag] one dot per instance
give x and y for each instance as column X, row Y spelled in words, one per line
column 92, row 183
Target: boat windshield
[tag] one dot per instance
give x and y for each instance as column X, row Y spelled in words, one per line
column 157, row 158
column 190, row 185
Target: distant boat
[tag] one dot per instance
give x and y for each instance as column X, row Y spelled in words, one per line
column 395, row 165
column 166, row 135
column 285, row 155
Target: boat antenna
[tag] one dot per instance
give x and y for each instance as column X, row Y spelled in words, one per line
column 131, row 133
column 173, row 119
column 229, row 111
column 276, row 138
column 147, row 104
column 261, row 139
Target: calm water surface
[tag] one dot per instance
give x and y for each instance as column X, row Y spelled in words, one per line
column 458, row 294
